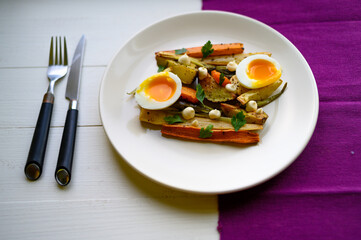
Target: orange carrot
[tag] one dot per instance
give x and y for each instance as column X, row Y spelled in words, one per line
column 218, row 136
column 218, row 50
column 217, row 75
column 189, row 94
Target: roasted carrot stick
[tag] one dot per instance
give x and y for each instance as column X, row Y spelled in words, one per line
column 218, row 136
column 219, row 49
column 189, row 94
column 217, row 75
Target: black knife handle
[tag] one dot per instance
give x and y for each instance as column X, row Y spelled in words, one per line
column 34, row 164
column 65, row 160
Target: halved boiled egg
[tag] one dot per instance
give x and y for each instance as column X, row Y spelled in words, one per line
column 159, row 91
column 258, row 71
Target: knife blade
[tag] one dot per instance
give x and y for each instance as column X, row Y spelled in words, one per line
column 72, row 88
column 66, row 152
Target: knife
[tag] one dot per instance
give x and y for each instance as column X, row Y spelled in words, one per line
column 66, row 152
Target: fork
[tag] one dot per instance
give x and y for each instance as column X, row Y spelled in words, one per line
column 57, row 69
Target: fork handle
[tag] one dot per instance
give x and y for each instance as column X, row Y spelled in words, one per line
column 66, row 152
column 34, row 164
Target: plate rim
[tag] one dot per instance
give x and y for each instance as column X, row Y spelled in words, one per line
column 206, row 12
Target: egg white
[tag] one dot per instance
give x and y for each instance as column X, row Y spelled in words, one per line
column 247, row 82
column 145, row 101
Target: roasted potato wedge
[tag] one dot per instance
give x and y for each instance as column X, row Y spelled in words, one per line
column 214, row 92
column 250, row 117
column 172, row 56
column 185, row 73
column 224, row 60
column 259, row 94
column 239, row 88
column 161, row 61
column 156, row 117
column 262, row 103
column 217, row 124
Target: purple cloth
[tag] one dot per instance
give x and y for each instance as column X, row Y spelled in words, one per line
column 319, row 195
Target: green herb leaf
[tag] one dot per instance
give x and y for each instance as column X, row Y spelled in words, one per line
column 221, row 79
column 200, row 93
column 173, row 119
column 207, row 49
column 161, row 68
column 238, row 121
column 207, row 132
column 180, row 51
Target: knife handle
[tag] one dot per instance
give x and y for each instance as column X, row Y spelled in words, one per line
column 34, row 164
column 65, row 159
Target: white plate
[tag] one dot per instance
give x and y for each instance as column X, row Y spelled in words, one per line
column 206, row 167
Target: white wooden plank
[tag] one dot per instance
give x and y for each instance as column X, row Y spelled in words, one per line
column 98, row 171
column 125, row 218
column 22, row 91
column 105, row 198
column 26, row 26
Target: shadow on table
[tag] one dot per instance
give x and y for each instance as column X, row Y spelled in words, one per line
column 190, row 202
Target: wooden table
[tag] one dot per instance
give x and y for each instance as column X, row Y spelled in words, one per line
column 106, row 199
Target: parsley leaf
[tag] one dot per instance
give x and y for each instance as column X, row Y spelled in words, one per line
column 180, row 51
column 161, row 68
column 173, row 119
column 238, row 121
column 221, row 79
column 207, row 132
column 200, row 93
column 207, row 49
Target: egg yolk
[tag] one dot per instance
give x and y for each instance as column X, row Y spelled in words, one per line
column 261, row 69
column 161, row 88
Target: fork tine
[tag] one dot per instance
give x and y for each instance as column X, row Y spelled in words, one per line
column 56, row 51
column 51, row 52
column 65, row 53
column 60, row 52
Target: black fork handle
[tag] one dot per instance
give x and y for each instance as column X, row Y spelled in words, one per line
column 34, row 164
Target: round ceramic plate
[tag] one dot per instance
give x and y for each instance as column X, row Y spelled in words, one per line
column 208, row 167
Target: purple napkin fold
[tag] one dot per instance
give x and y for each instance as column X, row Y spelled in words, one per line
column 319, row 195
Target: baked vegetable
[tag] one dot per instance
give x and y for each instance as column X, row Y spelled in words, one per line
column 263, row 103
column 189, row 94
column 250, row 117
column 185, row 73
column 220, row 78
column 162, row 58
column 208, row 110
column 224, row 60
column 239, row 88
column 214, row 92
column 157, row 117
column 218, row 50
column 259, row 94
column 218, row 136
